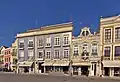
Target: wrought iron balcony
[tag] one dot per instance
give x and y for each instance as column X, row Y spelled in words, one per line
column 94, row 53
column 117, row 58
column 106, row 58
column 75, row 54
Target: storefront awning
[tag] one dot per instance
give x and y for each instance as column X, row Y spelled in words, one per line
column 47, row 64
column 111, row 64
column 65, row 64
column 81, row 64
column 25, row 64
column 61, row 64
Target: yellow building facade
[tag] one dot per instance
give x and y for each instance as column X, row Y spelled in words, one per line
column 110, row 45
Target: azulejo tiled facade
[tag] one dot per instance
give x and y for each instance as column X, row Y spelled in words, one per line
column 46, row 49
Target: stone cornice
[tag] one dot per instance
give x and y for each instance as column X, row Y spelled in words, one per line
column 47, row 30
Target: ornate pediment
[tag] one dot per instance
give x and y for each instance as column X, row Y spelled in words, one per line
column 85, row 31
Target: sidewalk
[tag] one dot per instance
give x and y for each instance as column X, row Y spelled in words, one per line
column 62, row 74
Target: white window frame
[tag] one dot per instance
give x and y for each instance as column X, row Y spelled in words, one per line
column 94, row 48
column 57, row 56
column 66, row 53
column 66, row 40
column 29, row 42
column 21, row 54
column 85, row 47
column 48, row 57
column 20, row 43
column 75, row 50
column 40, row 41
column 48, row 41
column 30, row 53
column 57, row 41
column 42, row 54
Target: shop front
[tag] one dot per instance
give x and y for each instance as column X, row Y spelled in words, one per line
column 111, row 68
column 26, row 67
column 61, row 67
column 81, row 68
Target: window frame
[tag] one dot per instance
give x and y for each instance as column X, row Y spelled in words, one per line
column 57, row 54
column 57, row 41
column 66, row 53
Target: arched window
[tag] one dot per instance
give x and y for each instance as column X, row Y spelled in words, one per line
column 85, row 47
column 87, row 33
column 83, row 33
column 94, row 49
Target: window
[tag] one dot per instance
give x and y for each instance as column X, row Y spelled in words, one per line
column 66, row 40
column 85, row 50
column 85, row 47
column 57, row 54
column 21, row 54
column 117, row 50
column 107, row 52
column 5, row 59
column 87, row 33
column 107, row 35
column 48, row 54
column 21, row 45
column 30, row 44
column 83, row 33
column 94, row 49
column 75, row 50
column 66, row 53
column 30, row 53
column 40, row 42
column 5, row 52
column 9, row 52
column 9, row 60
column 57, row 41
column 40, row 54
column 117, row 33
column 48, row 41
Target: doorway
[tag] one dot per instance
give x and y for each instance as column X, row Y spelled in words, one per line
column 95, row 69
column 106, row 69
column 84, row 70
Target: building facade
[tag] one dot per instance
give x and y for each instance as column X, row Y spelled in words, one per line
column 110, row 45
column 14, row 55
column 46, row 49
column 2, row 56
column 85, row 53
column 7, row 58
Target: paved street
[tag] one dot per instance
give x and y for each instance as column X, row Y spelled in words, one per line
column 51, row 78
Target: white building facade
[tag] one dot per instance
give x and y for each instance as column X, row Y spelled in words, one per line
column 85, row 53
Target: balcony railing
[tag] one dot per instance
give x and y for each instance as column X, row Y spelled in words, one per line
column 106, row 58
column 117, row 58
column 94, row 54
column 75, row 54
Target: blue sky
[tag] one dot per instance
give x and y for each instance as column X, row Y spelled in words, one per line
column 19, row 15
